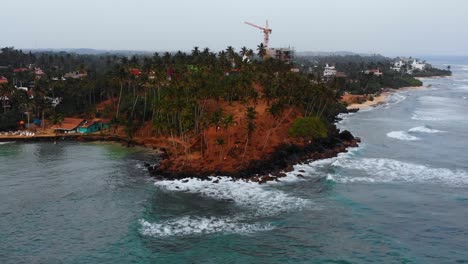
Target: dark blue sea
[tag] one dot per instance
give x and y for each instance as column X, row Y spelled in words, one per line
column 401, row 197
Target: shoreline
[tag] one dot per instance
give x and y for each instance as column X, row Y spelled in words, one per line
column 382, row 98
column 271, row 168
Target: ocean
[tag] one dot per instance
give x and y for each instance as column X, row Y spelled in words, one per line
column 401, row 197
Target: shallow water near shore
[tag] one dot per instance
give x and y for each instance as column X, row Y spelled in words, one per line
column 402, row 197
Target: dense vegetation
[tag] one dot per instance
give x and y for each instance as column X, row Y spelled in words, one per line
column 172, row 91
column 357, row 81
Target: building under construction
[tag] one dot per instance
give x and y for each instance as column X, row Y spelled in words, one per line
column 284, row 54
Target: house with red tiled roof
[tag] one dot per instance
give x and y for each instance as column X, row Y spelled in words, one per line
column 135, row 72
column 375, row 72
column 3, row 80
column 68, row 125
column 17, row 70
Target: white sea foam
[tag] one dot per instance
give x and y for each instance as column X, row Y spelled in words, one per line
column 402, row 135
column 189, row 225
column 434, row 108
column 388, row 170
column 141, row 167
column 258, row 200
column 262, row 200
column 4, row 143
column 425, row 116
column 397, row 98
column 424, row 129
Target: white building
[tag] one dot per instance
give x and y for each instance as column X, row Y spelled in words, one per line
column 416, row 65
column 397, row 65
column 329, row 71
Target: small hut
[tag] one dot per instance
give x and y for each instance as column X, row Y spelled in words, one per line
column 69, row 125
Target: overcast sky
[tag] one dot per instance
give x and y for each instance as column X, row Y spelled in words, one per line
column 389, row 27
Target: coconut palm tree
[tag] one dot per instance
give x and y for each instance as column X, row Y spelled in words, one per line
column 261, row 50
column 243, row 51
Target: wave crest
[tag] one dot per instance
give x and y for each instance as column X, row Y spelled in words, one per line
column 388, row 170
column 402, row 135
column 187, row 225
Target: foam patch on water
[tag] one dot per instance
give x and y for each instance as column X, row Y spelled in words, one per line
column 425, row 116
column 141, row 167
column 402, row 135
column 313, row 168
column 262, row 200
column 424, row 129
column 396, row 98
column 4, row 143
column 388, row 171
column 187, row 226
column 434, row 108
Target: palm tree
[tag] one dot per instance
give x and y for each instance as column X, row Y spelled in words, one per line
column 195, row 51
column 228, row 122
column 230, row 51
column 243, row 51
column 122, row 76
column 261, row 50
column 250, row 115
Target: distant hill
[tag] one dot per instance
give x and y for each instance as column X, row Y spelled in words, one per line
column 86, row 51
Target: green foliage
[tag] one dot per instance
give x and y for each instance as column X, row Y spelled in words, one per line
column 251, row 115
column 9, row 120
column 171, row 90
column 309, row 128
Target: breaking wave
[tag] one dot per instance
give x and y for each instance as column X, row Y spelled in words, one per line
column 388, row 171
column 424, row 129
column 396, row 98
column 260, row 199
column 188, row 225
column 4, row 143
column 402, row 135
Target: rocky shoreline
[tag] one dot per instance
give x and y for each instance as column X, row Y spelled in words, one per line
column 272, row 168
column 275, row 166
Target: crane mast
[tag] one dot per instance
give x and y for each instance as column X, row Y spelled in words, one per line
column 266, row 32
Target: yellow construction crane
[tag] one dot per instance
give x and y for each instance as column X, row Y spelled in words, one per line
column 266, row 32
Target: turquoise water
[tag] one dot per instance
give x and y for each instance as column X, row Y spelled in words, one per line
column 402, row 197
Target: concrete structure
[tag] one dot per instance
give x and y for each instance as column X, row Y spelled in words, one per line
column 284, row 54
column 397, row 65
column 329, row 71
column 411, row 65
column 75, row 75
column 375, row 72
column 416, row 65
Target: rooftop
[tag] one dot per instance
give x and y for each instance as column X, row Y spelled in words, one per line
column 69, row 124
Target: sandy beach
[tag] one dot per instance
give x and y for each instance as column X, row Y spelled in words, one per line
column 382, row 98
